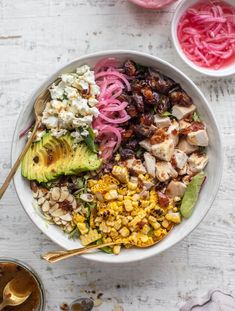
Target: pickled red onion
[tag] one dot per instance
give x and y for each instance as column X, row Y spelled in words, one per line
column 206, row 33
column 112, row 114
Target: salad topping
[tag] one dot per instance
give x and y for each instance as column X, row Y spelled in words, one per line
column 136, row 167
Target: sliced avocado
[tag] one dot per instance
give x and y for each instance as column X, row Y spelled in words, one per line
column 52, row 157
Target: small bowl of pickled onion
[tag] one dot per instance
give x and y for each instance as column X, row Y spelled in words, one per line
column 203, row 33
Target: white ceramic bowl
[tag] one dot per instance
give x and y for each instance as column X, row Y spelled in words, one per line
column 213, row 169
column 180, row 10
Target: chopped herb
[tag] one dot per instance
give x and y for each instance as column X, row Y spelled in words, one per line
column 106, row 249
column 75, row 233
column 141, row 68
column 90, row 140
column 139, row 152
column 166, row 114
column 80, row 183
column 196, row 117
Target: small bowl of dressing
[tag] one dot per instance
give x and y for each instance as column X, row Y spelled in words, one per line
column 26, row 277
column 203, row 33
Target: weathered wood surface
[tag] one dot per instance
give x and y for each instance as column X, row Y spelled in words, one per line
column 38, row 36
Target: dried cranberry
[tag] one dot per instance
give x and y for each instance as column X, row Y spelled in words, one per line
column 147, row 119
column 127, row 134
column 127, row 153
column 180, row 98
column 131, row 144
column 163, row 104
column 143, row 130
column 139, row 102
column 130, row 68
column 132, row 110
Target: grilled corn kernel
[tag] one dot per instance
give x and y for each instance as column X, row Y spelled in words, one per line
column 174, row 217
column 120, row 197
column 90, row 237
column 145, row 203
column 135, row 204
column 121, row 173
column 78, row 218
column 124, row 232
column 111, row 195
column 128, row 205
column 135, row 197
column 82, row 227
column 117, row 224
column 132, row 186
column 145, row 229
column 116, row 249
column 165, row 223
column 144, row 238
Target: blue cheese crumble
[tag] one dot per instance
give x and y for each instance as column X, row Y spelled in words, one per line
column 73, row 104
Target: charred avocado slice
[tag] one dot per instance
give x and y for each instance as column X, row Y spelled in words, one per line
column 52, row 157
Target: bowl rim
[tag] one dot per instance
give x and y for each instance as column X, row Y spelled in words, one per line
column 220, row 73
column 120, row 52
column 152, row 7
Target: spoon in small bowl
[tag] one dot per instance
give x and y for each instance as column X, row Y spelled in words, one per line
column 11, row 297
column 39, row 106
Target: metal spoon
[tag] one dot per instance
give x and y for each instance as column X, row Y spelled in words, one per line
column 39, row 106
column 52, row 257
column 11, row 297
column 82, row 304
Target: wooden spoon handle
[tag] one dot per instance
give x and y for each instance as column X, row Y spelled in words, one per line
column 60, row 255
column 18, row 161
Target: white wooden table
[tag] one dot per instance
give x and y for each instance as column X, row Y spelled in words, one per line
column 38, row 36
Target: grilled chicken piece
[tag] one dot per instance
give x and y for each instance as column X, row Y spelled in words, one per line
column 179, row 159
column 184, row 146
column 164, row 150
column 180, row 112
column 145, row 144
column 197, row 162
column 199, row 138
column 161, row 121
column 150, row 162
column 176, row 189
column 135, row 165
column 173, row 131
column 165, row 171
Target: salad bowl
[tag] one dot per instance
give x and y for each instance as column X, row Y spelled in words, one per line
column 208, row 191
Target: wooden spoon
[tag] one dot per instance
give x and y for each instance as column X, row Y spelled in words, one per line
column 12, row 297
column 39, row 106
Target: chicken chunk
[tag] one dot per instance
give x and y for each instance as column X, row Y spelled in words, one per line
column 184, row 146
column 164, row 150
column 199, row 138
column 175, row 189
column 136, row 166
column 181, row 112
column 162, row 121
column 179, row 158
column 184, row 170
column 145, row 144
column 150, row 162
column 173, row 132
column 165, row 171
column 197, row 162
